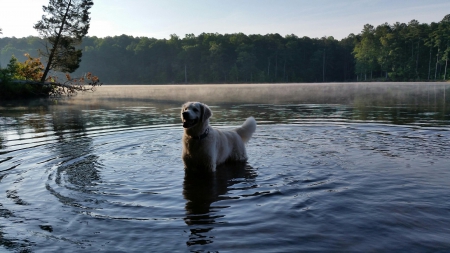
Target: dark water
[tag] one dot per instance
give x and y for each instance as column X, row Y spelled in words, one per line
column 332, row 167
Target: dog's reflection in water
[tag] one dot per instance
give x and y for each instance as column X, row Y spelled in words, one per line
column 202, row 189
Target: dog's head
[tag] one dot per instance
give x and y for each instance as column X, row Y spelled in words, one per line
column 193, row 113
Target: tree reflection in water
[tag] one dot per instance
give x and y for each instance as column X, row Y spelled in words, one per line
column 80, row 167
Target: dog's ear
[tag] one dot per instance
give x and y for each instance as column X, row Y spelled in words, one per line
column 206, row 112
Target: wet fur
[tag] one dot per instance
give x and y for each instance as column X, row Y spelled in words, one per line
column 218, row 146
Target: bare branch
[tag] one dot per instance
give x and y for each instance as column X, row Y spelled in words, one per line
column 70, row 87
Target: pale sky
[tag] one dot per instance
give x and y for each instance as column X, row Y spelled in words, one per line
column 159, row 19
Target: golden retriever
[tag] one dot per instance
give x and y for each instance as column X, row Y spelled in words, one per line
column 205, row 147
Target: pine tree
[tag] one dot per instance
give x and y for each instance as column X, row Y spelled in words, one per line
column 63, row 26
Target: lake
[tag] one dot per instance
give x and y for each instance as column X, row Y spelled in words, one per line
column 360, row 167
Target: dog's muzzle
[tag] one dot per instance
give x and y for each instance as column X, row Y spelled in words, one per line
column 187, row 122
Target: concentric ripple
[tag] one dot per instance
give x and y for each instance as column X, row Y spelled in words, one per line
column 304, row 186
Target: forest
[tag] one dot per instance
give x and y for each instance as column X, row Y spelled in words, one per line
column 388, row 52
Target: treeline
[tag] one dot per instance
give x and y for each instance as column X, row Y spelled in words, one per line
column 398, row 52
column 208, row 58
column 217, row 58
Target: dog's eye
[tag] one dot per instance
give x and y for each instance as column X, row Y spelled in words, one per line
column 195, row 110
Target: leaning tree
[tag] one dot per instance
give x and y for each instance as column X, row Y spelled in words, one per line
column 63, row 25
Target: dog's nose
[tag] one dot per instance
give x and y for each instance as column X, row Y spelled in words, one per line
column 185, row 115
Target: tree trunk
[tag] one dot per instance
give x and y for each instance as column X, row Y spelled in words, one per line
column 437, row 62
column 435, row 70
column 345, row 68
column 446, row 60
column 417, row 59
column 445, row 70
column 276, row 66
column 429, row 66
column 323, row 66
column 52, row 53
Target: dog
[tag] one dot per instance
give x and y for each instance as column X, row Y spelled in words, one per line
column 204, row 148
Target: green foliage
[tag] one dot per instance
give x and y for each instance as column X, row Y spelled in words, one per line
column 22, row 80
column 403, row 52
column 10, row 72
column 207, row 58
column 15, row 70
column 19, row 47
column 31, row 69
column 217, row 58
column 67, row 58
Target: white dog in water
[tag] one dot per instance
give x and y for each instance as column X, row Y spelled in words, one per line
column 205, row 147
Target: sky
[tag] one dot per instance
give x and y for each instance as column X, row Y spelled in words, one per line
column 161, row 18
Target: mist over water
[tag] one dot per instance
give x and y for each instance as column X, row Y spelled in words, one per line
column 332, row 167
column 421, row 103
column 429, row 94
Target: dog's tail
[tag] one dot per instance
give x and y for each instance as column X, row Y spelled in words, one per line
column 247, row 129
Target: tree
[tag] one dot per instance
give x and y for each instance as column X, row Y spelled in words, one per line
column 31, row 69
column 444, row 28
column 13, row 83
column 10, row 72
column 366, row 51
column 63, row 26
column 246, row 60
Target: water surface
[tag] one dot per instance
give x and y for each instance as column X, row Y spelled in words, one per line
column 332, row 167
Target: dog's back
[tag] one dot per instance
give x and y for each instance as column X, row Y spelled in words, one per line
column 247, row 129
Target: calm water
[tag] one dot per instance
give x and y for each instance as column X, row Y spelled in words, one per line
column 332, row 167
